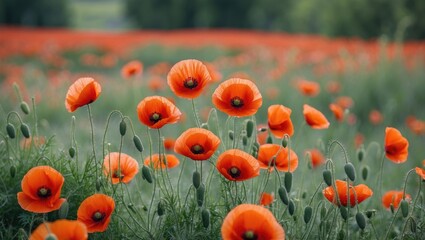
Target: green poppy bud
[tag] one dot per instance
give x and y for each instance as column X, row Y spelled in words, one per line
column 244, row 140
column 200, row 191
column 308, row 211
column 344, row 212
column 196, row 179
column 349, row 170
column 161, row 209
column 361, row 220
column 71, row 152
column 249, row 128
column 283, row 195
column 269, row 139
column 25, row 130
column 25, row 108
column 370, row 213
column 123, row 127
column 327, row 177
column 146, row 174
column 138, row 143
column 288, row 181
column 360, row 153
column 12, row 171
column 205, row 215
column 63, row 210
column 231, row 135
column 404, row 205
column 291, row 207
column 284, row 142
column 365, row 172
column 10, row 129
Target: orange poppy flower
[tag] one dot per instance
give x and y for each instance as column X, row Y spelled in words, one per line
column 333, row 87
column 345, row 102
column 279, row 121
column 197, row 144
column 237, row 97
column 169, row 144
column 157, row 111
column 41, row 190
column 358, row 140
column 156, row 83
column 237, row 165
column 420, row 172
column 363, row 192
column 121, row 166
column 396, row 146
column 338, row 111
column 415, row 125
column 394, row 198
column 82, row 92
column 266, row 199
column 37, row 141
column 249, row 221
column 159, row 163
column 375, row 117
column 215, row 75
column 315, row 118
column 188, row 78
column 316, row 157
column 308, row 88
column 60, row 229
column 95, row 212
column 132, row 69
column 270, row 155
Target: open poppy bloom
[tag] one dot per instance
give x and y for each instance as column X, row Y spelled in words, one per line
column 338, row 111
column 396, row 146
column 237, row 165
column 394, row 198
column 415, row 125
column 249, row 221
column 308, row 88
column 60, row 229
column 420, row 172
column 344, row 101
column 188, row 78
column 169, row 143
column 315, row 118
column 363, row 192
column 157, row 162
column 82, row 92
column 197, row 144
column 41, row 190
column 120, row 167
column 95, row 212
column 131, row 69
column 237, row 97
column 156, row 111
column 279, row 121
column 266, row 199
column 375, row 117
column 316, row 157
column 270, row 155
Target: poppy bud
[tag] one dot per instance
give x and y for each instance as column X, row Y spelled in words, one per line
column 63, row 210
column 269, row 139
column 288, row 181
column 412, row 225
column 244, row 140
column 344, row 212
column 249, row 128
column 160, row 209
column 138, row 143
column 10, row 129
column 284, row 142
column 25, row 108
column 283, row 194
column 254, row 153
column 123, row 127
column 25, row 130
column 308, row 211
column 304, row 195
column 145, row 208
column 327, row 177
column 146, row 174
column 231, row 134
column 200, row 191
column 71, row 152
column 323, row 211
column 196, row 179
column 365, row 172
column 370, row 213
column 360, row 153
column 12, row 171
column 291, row 207
column 361, row 220
column 205, row 215
column 349, row 170
column 404, row 208
column 204, row 126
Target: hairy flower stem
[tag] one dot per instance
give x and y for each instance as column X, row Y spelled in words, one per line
column 197, row 120
column 92, row 142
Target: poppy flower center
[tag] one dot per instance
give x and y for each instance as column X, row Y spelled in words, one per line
column 249, row 235
column 44, row 192
column 98, row 216
column 236, row 102
column 197, row 149
column 118, row 174
column 234, row 172
column 155, row 117
column 190, row 82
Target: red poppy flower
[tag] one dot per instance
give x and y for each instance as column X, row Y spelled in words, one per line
column 396, row 146
column 338, row 111
column 237, row 97
column 60, row 229
column 121, row 166
column 95, row 212
column 170, row 161
column 315, row 118
column 214, row 73
column 249, row 221
column 82, row 92
column 266, row 199
column 308, row 88
column 37, row 141
column 237, row 165
column 156, row 83
column 333, row 87
column 270, row 155
column 316, row 157
column 345, row 102
column 362, row 192
column 358, row 140
column 279, row 121
column 415, row 125
column 375, row 117
column 394, row 198
column 197, row 144
column 132, row 69
column 41, row 190
column 188, row 78
column 420, row 172
column 157, row 111
column 169, row 144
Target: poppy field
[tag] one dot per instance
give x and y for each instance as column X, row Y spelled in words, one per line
column 220, row 134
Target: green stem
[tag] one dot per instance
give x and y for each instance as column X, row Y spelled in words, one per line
column 92, row 142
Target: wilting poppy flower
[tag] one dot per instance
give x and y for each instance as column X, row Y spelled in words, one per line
column 270, row 155
column 41, row 190
column 396, row 146
column 266, row 199
column 95, row 212
column 237, row 165
column 249, row 221
column 316, row 157
column 315, row 118
column 60, row 229
column 279, row 121
column 375, row 117
column 157, row 111
column 362, row 192
column 170, row 161
column 338, row 111
column 420, row 172
column 308, row 88
column 237, row 97
column 82, row 92
column 394, row 198
column 169, row 144
column 197, row 144
column 188, row 78
column 131, row 69
column 120, row 167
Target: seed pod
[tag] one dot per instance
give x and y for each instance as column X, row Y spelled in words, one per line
column 404, row 208
column 288, row 181
column 25, row 108
column 204, row 126
column 63, row 210
column 10, row 129
column 323, row 212
column 25, row 130
column 327, row 177
column 123, row 127
column 138, row 143
column 269, row 139
column 283, row 194
column 350, row 171
column 12, row 171
column 344, row 212
column 365, row 172
column 200, row 191
column 244, row 140
column 71, row 152
column 370, row 213
column 361, row 220
column 308, row 211
column 360, row 153
column 205, row 215
column 196, row 179
column 284, row 142
column 291, row 207
column 146, row 174
column 249, row 128
column 161, row 209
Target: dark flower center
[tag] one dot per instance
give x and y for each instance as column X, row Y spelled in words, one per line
column 190, row 82
column 44, row 192
column 155, row 117
column 118, row 174
column 197, row 149
column 249, row 235
column 234, row 172
column 98, row 216
column 236, row 102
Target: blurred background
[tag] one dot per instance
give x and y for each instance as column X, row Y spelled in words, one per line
column 361, row 18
